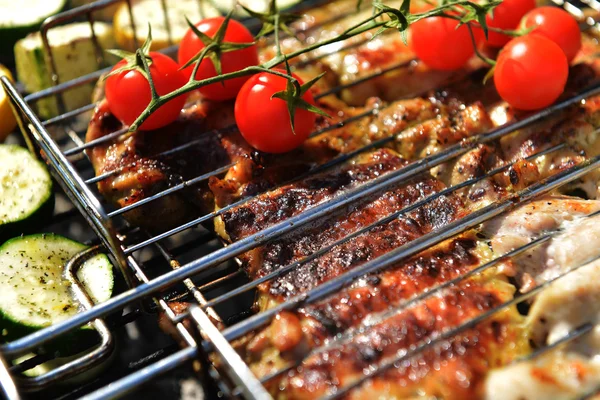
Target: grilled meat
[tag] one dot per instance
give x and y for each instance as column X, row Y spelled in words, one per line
column 562, row 307
column 277, row 205
column 451, row 370
column 336, row 339
column 293, row 334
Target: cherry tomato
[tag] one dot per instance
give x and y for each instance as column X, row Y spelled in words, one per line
column 264, row 121
column 531, row 72
column 557, row 25
column 439, row 44
column 506, row 16
column 128, row 93
column 230, row 61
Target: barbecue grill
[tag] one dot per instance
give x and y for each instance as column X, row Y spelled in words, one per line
column 189, row 263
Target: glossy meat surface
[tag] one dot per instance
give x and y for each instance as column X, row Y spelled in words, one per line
column 290, row 200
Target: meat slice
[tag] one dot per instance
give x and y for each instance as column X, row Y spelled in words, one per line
column 139, row 171
column 558, row 376
column 453, row 369
column 533, row 219
column 291, row 336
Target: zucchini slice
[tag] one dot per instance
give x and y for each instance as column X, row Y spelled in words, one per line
column 34, row 293
column 18, row 18
column 150, row 12
column 74, row 55
column 26, row 195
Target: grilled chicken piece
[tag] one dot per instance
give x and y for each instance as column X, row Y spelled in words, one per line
column 565, row 305
column 529, row 221
column 140, row 170
column 559, row 376
column 277, row 205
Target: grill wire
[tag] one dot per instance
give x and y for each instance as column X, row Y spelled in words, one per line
column 213, row 333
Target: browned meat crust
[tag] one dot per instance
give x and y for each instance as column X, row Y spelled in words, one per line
column 142, row 173
column 292, row 334
column 452, row 370
column 293, row 199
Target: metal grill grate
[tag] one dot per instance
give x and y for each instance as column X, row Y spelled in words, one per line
column 213, row 269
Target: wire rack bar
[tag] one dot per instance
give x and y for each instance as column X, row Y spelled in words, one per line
column 569, row 337
column 171, row 190
column 233, row 364
column 67, row 177
column 7, row 385
column 130, row 382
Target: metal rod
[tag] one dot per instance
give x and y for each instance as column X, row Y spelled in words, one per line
column 571, row 336
column 171, row 190
column 69, row 114
column 87, row 361
column 130, row 382
column 95, row 142
column 232, row 362
column 363, row 79
column 7, row 384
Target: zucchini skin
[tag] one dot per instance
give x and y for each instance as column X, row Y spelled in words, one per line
column 67, row 344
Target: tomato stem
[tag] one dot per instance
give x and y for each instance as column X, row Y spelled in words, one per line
column 475, row 47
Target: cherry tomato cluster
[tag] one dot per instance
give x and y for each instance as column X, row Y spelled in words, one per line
column 531, row 71
column 266, row 128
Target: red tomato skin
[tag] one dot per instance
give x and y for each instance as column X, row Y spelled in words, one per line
column 230, row 61
column 506, row 16
column 557, row 25
column 531, row 72
column 437, row 42
column 264, row 121
column 128, row 93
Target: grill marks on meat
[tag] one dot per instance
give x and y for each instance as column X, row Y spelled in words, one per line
column 379, row 291
column 291, row 200
column 453, row 370
column 290, row 337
